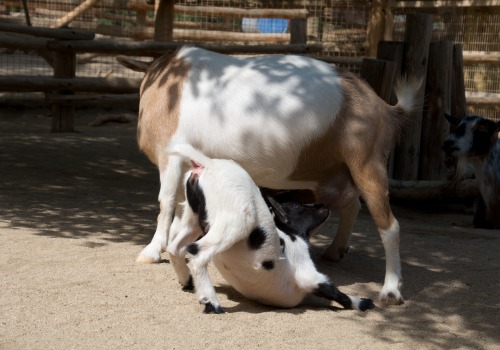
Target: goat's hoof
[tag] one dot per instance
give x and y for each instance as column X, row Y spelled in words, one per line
column 189, row 285
column 391, row 297
column 366, row 304
column 211, row 309
column 335, row 254
column 146, row 256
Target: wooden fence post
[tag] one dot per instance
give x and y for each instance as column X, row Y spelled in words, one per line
column 63, row 114
column 392, row 51
column 379, row 74
column 164, row 20
column 298, row 31
column 416, row 52
column 435, row 128
column 458, row 102
column 376, row 26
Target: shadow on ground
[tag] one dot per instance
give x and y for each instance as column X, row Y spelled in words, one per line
column 96, row 183
column 73, row 185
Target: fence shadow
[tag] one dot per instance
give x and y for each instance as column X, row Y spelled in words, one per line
column 96, row 183
column 75, row 185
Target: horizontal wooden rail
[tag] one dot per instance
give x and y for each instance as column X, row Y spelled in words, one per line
column 226, row 11
column 475, row 57
column 61, row 34
column 47, row 84
column 445, row 3
column 153, row 48
column 95, row 99
column 432, row 190
column 484, row 102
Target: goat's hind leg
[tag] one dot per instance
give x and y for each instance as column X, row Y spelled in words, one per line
column 371, row 179
column 184, row 231
column 201, row 255
column 218, row 239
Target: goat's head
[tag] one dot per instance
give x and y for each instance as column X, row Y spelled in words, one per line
column 470, row 137
column 296, row 219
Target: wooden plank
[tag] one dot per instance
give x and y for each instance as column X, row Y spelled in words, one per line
column 164, row 20
column 376, row 26
column 433, row 190
column 344, row 60
column 458, row 101
column 435, row 128
column 154, row 48
column 380, row 75
column 445, row 3
column 227, row 11
column 63, row 116
column 59, row 33
column 475, row 57
column 392, row 51
column 95, row 99
column 484, row 102
column 48, row 84
column 416, row 52
column 77, row 11
column 21, row 42
column 298, row 31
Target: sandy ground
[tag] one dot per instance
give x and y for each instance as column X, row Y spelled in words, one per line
column 75, row 209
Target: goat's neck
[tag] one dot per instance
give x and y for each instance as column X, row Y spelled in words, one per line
column 477, row 164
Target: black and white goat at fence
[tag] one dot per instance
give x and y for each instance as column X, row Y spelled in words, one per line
column 475, row 142
column 238, row 233
column 292, row 122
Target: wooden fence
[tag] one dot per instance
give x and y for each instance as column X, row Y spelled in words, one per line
column 418, row 156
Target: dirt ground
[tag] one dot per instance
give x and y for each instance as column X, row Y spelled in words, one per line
column 76, row 208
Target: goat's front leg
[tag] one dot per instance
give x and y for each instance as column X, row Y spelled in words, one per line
column 169, row 188
column 311, row 280
column 328, row 290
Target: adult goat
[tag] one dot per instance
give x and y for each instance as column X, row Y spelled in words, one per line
column 291, row 122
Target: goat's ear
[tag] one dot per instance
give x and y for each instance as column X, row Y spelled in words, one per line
column 497, row 130
column 135, row 65
column 278, row 210
column 454, row 121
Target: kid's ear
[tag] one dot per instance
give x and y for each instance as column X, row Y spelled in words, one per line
column 454, row 121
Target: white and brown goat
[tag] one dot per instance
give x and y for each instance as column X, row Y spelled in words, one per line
column 291, row 122
column 475, row 142
column 238, row 233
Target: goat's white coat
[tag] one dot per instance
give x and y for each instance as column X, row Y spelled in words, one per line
column 264, row 110
column 235, row 207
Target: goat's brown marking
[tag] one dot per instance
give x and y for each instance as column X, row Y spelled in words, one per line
column 352, row 153
column 161, row 93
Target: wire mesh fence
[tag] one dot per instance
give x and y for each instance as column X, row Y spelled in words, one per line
column 339, row 25
column 477, row 29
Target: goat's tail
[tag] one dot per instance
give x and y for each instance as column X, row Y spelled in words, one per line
column 188, row 151
column 406, row 92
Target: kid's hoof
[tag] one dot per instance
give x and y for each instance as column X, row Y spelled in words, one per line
column 366, row 304
column 210, row 309
column 189, row 286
